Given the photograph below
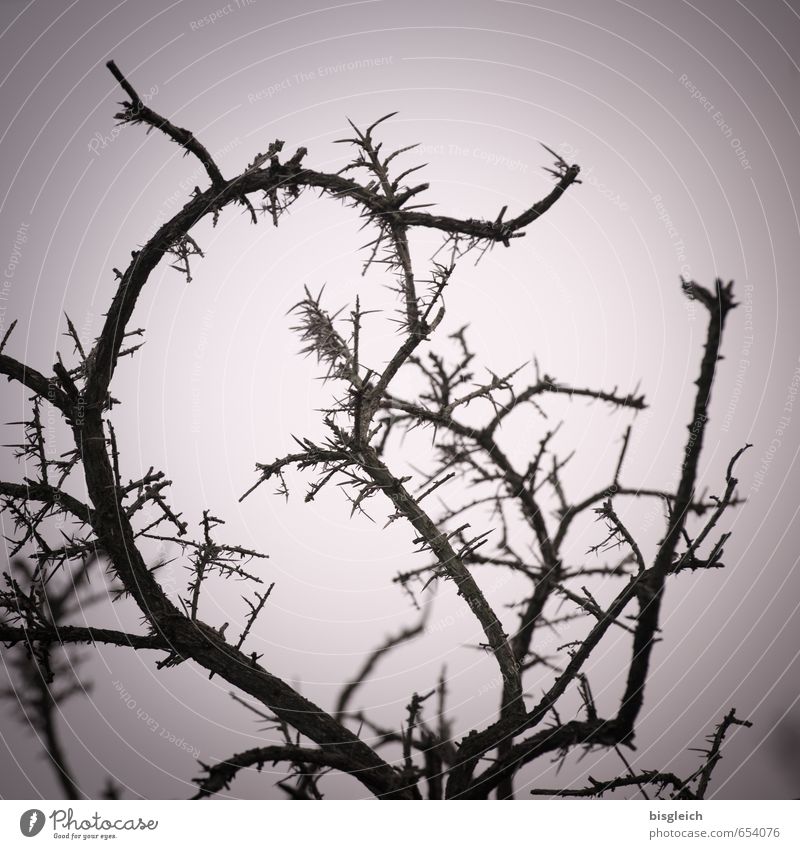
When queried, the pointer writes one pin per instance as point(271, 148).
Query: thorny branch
point(358, 453)
point(695, 786)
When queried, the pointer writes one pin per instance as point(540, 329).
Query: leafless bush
point(365, 415)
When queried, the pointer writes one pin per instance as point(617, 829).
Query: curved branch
point(288, 176)
point(113, 527)
point(136, 112)
point(220, 776)
point(200, 642)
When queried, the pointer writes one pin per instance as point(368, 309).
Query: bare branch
point(62, 634)
point(135, 112)
point(220, 776)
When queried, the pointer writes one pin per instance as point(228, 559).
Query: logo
point(31, 822)
point(66, 825)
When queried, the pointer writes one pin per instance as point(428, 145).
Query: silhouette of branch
point(681, 788)
point(650, 592)
point(356, 453)
point(135, 112)
point(62, 634)
point(219, 776)
point(597, 789)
